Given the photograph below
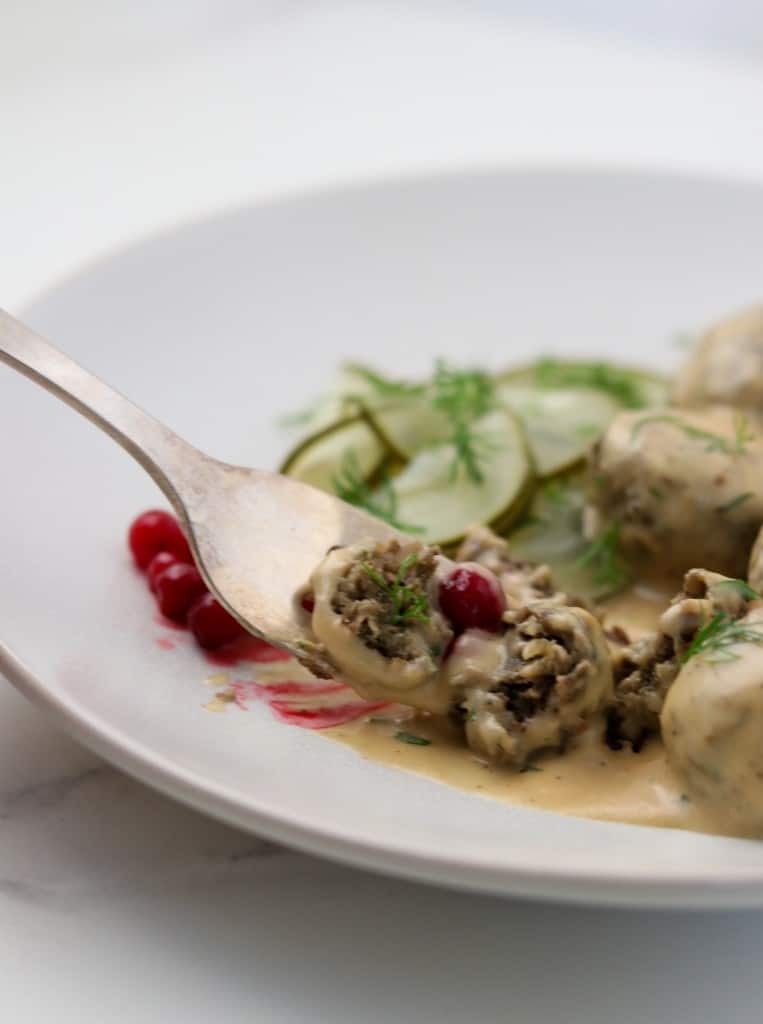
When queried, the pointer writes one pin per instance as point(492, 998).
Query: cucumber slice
point(410, 426)
point(318, 460)
point(354, 387)
point(443, 505)
point(400, 410)
point(631, 388)
point(551, 533)
point(373, 388)
point(328, 410)
point(560, 424)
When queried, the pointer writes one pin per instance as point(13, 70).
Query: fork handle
point(161, 452)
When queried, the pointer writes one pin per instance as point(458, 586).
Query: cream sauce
point(419, 681)
point(588, 780)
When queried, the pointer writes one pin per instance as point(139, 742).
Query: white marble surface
point(117, 904)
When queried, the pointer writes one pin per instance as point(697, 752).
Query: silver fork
point(256, 536)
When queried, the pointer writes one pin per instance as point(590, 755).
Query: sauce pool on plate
point(588, 780)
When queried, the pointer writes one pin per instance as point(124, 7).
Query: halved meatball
point(535, 687)
point(683, 489)
point(377, 618)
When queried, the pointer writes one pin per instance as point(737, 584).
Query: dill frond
point(407, 603)
point(713, 442)
point(463, 396)
point(386, 387)
point(716, 639)
point(743, 434)
point(604, 559)
point(298, 418)
point(350, 485)
point(621, 384)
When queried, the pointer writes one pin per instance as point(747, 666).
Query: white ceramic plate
point(220, 326)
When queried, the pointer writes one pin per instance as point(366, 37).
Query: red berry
point(211, 624)
point(156, 531)
point(177, 588)
point(157, 565)
point(471, 598)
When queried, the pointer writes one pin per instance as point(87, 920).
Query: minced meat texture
point(643, 673)
point(486, 548)
point(548, 656)
point(645, 670)
point(554, 674)
point(365, 600)
point(523, 582)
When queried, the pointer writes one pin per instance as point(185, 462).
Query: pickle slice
point(410, 426)
point(560, 424)
point(318, 460)
point(435, 492)
point(629, 387)
point(551, 533)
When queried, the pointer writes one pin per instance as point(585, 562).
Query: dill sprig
point(349, 483)
point(716, 639)
point(299, 418)
point(413, 738)
point(736, 445)
point(351, 486)
point(743, 433)
point(386, 387)
point(558, 495)
point(551, 498)
point(407, 603)
point(740, 499)
point(619, 383)
point(463, 396)
point(604, 559)
point(472, 449)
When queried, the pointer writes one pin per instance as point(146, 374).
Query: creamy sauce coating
point(589, 780)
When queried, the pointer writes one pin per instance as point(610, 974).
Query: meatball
point(645, 670)
point(726, 368)
point(535, 687)
point(682, 488)
point(523, 582)
point(377, 620)
point(712, 725)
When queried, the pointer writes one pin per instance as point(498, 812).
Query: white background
point(119, 120)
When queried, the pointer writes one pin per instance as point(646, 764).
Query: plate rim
point(306, 193)
point(577, 885)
